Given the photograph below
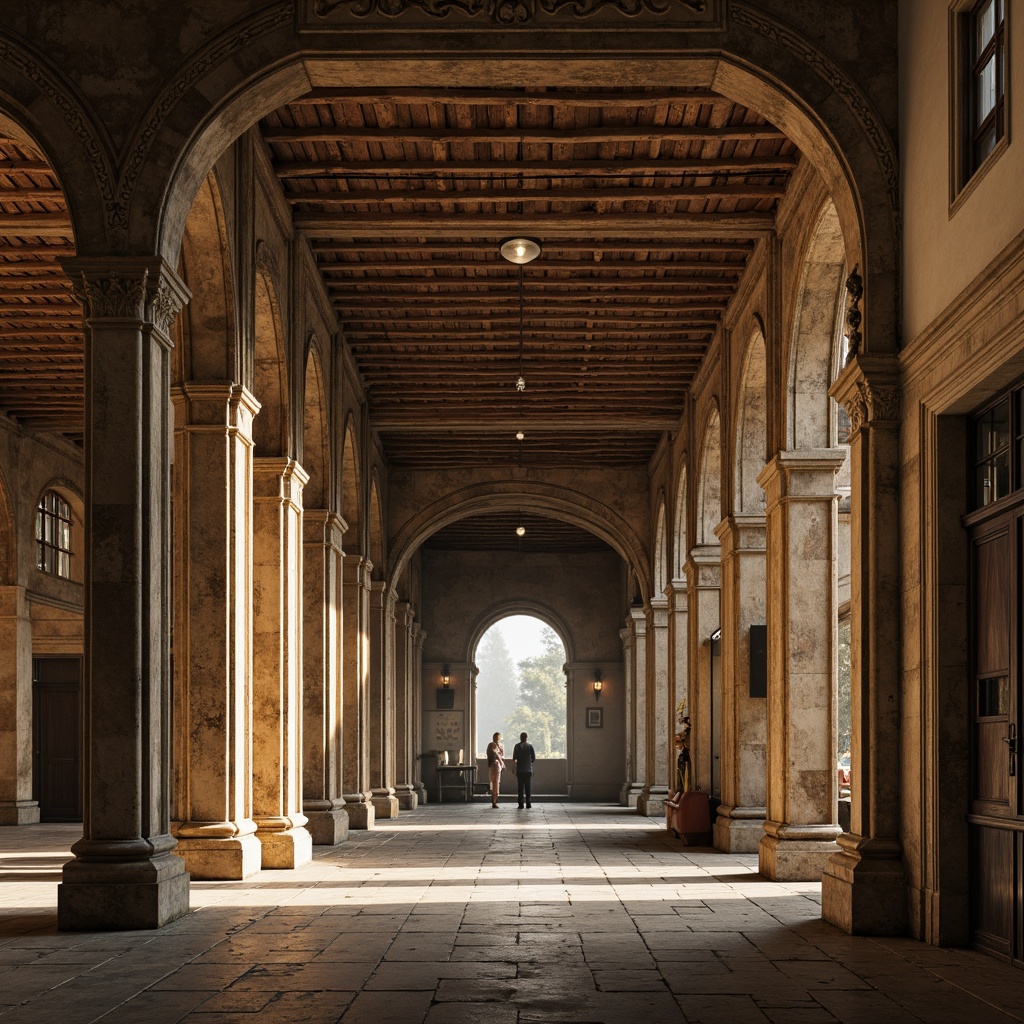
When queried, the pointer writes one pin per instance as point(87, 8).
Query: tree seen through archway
point(525, 694)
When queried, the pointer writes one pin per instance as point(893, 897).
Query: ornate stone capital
point(146, 291)
point(868, 389)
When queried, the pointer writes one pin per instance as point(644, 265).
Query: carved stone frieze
point(520, 12)
point(869, 405)
point(112, 296)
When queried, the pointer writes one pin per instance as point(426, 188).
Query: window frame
point(965, 172)
point(52, 556)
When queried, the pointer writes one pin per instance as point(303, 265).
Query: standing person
point(524, 755)
point(495, 763)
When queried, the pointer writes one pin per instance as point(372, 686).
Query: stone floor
point(460, 913)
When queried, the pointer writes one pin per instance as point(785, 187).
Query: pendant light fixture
point(520, 251)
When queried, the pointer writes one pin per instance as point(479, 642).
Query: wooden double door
point(996, 818)
point(57, 738)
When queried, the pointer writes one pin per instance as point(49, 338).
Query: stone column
point(637, 721)
point(659, 721)
point(629, 713)
point(405, 790)
point(863, 890)
point(704, 582)
point(382, 700)
point(678, 665)
point(125, 873)
point(213, 630)
point(322, 556)
point(741, 815)
point(802, 589)
point(277, 662)
point(419, 637)
point(355, 770)
point(16, 804)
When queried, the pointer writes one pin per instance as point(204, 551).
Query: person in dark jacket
point(524, 755)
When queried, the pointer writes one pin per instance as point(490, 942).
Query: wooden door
point(56, 733)
point(996, 825)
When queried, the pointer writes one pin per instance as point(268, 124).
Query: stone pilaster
point(16, 804)
point(801, 825)
point(636, 719)
point(322, 556)
point(419, 637)
point(864, 888)
point(678, 663)
point(213, 630)
point(703, 582)
point(355, 771)
point(629, 708)
point(382, 700)
point(277, 662)
point(405, 759)
point(659, 720)
point(740, 824)
point(125, 873)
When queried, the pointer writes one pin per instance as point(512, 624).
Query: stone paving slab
point(583, 914)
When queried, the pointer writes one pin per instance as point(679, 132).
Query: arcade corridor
point(574, 913)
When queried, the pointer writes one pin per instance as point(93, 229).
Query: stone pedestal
point(16, 804)
point(744, 718)
point(355, 766)
point(801, 826)
point(322, 587)
point(124, 873)
point(212, 668)
point(864, 887)
point(277, 662)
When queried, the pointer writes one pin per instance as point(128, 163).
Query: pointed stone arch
point(270, 368)
point(315, 432)
point(680, 541)
point(205, 332)
point(709, 480)
point(661, 579)
point(351, 490)
point(751, 444)
point(376, 525)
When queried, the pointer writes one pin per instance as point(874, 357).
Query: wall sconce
point(446, 679)
point(598, 684)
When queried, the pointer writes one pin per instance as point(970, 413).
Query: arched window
point(53, 535)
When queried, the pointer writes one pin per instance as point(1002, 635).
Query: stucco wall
point(583, 594)
point(943, 253)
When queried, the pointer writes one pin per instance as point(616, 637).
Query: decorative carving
point(214, 54)
point(503, 12)
point(881, 141)
point(164, 307)
point(112, 297)
point(855, 289)
point(872, 405)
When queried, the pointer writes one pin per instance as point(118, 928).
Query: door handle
point(1011, 743)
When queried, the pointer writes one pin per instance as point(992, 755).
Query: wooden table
point(467, 773)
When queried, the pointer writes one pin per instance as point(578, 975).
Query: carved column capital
point(868, 388)
point(127, 288)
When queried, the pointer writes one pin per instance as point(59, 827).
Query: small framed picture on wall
point(594, 718)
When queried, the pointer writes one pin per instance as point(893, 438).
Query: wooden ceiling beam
point(532, 169)
point(25, 166)
point(609, 269)
point(490, 248)
point(393, 197)
point(56, 332)
point(538, 225)
point(391, 335)
point(610, 300)
point(30, 194)
point(592, 422)
point(504, 136)
point(524, 98)
point(21, 225)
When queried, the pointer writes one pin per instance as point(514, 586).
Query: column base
point(651, 801)
point(633, 795)
point(19, 812)
point(122, 893)
point(211, 859)
point(385, 803)
point(361, 813)
point(738, 829)
point(327, 826)
point(796, 853)
point(421, 793)
point(624, 795)
point(407, 798)
point(284, 848)
point(863, 890)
